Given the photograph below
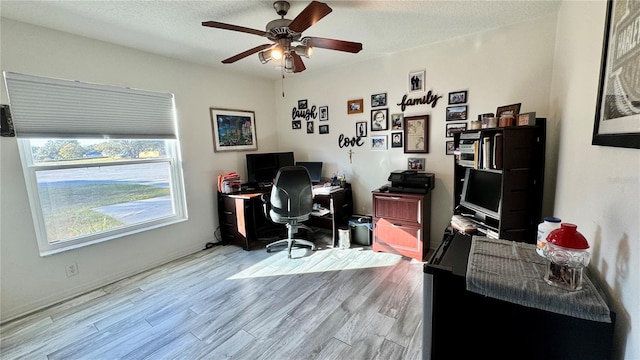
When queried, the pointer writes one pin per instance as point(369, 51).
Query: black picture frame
point(309, 127)
point(324, 113)
point(450, 147)
point(396, 139)
point(302, 104)
point(378, 100)
point(613, 127)
point(361, 129)
point(380, 119)
point(457, 113)
point(457, 97)
point(453, 128)
point(323, 129)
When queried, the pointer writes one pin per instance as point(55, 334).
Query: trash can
point(361, 229)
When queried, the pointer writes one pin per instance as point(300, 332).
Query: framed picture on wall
point(379, 120)
point(396, 140)
point(454, 128)
point(324, 113)
point(458, 97)
point(233, 130)
point(397, 121)
point(379, 142)
point(617, 120)
point(451, 148)
point(355, 106)
point(379, 100)
point(457, 113)
point(361, 128)
point(416, 134)
point(416, 81)
point(416, 164)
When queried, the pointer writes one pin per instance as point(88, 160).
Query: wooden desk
point(243, 223)
point(340, 205)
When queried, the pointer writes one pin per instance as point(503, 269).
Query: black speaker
point(6, 124)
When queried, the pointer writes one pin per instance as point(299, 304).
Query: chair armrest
point(266, 205)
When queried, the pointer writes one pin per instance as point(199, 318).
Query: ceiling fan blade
point(219, 25)
point(298, 64)
point(332, 44)
point(309, 16)
point(244, 54)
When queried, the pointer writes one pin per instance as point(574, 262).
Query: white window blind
point(55, 108)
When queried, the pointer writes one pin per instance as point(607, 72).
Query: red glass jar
point(566, 250)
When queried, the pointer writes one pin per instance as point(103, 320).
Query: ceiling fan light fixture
point(276, 53)
point(288, 64)
point(304, 50)
point(264, 56)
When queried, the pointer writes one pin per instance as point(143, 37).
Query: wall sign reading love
point(345, 141)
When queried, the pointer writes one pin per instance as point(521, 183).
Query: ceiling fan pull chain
point(283, 83)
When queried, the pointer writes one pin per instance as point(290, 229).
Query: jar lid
point(552, 219)
point(568, 236)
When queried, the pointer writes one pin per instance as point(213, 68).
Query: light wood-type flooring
point(225, 302)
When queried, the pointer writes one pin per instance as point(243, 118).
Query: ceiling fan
point(284, 33)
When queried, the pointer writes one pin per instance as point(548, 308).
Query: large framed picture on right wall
point(617, 121)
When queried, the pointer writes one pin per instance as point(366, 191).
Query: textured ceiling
point(173, 27)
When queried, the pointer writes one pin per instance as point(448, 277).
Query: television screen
point(482, 192)
point(314, 168)
point(262, 168)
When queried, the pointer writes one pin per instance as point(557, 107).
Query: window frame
point(30, 169)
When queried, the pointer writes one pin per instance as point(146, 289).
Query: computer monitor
point(314, 168)
point(262, 168)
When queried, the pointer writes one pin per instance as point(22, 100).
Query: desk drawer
point(398, 207)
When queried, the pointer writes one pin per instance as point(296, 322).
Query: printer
point(411, 181)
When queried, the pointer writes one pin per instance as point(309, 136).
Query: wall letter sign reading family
point(429, 98)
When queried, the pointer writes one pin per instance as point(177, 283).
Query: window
point(89, 181)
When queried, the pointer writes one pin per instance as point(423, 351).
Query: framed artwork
point(379, 100)
point(415, 164)
point(324, 113)
point(361, 128)
point(355, 106)
point(396, 140)
point(379, 120)
point(309, 127)
point(302, 104)
point(454, 128)
point(450, 147)
point(296, 124)
point(379, 142)
point(458, 97)
point(457, 113)
point(323, 129)
point(233, 130)
point(526, 119)
point(617, 120)
point(416, 135)
point(416, 81)
point(397, 121)
point(513, 109)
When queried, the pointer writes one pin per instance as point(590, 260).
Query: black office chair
point(290, 203)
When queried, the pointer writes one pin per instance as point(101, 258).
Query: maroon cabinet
point(401, 223)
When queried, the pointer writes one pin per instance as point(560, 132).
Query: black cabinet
point(458, 322)
point(517, 155)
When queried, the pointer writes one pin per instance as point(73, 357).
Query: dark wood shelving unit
point(522, 174)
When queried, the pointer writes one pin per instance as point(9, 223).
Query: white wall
point(30, 281)
point(500, 67)
point(598, 187)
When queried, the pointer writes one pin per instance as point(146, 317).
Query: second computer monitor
point(314, 168)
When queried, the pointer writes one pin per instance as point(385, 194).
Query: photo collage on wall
point(310, 114)
point(456, 117)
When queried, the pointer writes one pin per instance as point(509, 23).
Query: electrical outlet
point(72, 269)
